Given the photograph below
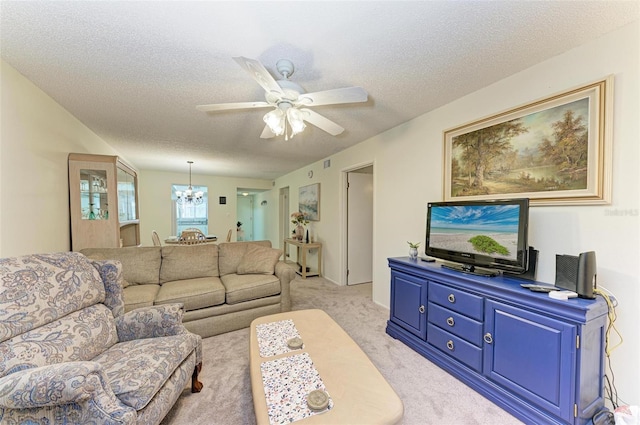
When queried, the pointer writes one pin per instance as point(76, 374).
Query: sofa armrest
point(286, 274)
point(151, 322)
point(155, 321)
point(77, 388)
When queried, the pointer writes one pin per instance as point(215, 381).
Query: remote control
point(538, 288)
point(428, 259)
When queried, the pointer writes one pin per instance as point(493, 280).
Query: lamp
point(189, 196)
point(284, 113)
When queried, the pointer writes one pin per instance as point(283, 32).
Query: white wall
point(262, 217)
point(155, 201)
point(36, 137)
point(37, 134)
point(408, 174)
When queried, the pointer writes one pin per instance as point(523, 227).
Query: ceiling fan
point(289, 101)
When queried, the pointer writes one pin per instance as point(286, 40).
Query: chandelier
point(189, 196)
point(285, 113)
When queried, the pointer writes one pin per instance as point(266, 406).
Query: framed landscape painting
point(553, 151)
point(309, 201)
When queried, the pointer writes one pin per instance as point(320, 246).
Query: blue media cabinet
point(539, 358)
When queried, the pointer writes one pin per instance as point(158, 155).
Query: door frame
point(344, 196)
point(284, 207)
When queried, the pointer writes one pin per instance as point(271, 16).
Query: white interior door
point(245, 216)
point(359, 228)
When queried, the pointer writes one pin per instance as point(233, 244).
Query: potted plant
point(300, 221)
point(413, 249)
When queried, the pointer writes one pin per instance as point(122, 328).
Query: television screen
point(490, 234)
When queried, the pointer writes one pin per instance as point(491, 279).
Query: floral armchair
point(69, 353)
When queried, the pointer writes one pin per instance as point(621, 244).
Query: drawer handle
point(450, 345)
point(451, 298)
point(450, 321)
point(421, 309)
point(488, 338)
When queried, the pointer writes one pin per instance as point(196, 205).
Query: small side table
point(303, 249)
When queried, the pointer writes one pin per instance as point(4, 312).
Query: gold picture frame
point(554, 151)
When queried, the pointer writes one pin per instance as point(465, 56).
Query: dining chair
point(192, 237)
point(155, 238)
point(194, 230)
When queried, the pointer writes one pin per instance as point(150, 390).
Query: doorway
point(359, 224)
point(245, 205)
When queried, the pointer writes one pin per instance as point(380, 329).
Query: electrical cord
point(611, 392)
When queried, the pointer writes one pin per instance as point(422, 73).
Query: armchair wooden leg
point(196, 386)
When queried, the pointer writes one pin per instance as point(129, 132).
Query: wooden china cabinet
point(103, 201)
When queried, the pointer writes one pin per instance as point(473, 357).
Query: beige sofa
point(222, 287)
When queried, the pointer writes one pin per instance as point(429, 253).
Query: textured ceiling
point(133, 72)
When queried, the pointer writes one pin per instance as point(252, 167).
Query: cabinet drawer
point(462, 326)
point(462, 302)
point(455, 347)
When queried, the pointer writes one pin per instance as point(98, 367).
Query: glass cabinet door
point(93, 195)
point(126, 196)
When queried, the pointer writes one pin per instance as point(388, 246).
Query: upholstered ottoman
point(329, 360)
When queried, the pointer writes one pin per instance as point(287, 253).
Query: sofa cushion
point(140, 265)
point(259, 260)
point(39, 289)
point(192, 293)
point(137, 296)
point(189, 262)
point(78, 336)
point(250, 287)
point(231, 253)
point(111, 274)
point(137, 369)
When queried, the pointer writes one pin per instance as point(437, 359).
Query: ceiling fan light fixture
point(294, 116)
point(275, 119)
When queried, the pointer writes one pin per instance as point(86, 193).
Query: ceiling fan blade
point(267, 133)
point(321, 122)
point(225, 106)
point(335, 96)
point(259, 73)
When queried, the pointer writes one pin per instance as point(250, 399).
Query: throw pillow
point(101, 257)
point(259, 260)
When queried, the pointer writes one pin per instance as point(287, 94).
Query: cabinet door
point(127, 210)
point(533, 356)
point(92, 201)
point(408, 303)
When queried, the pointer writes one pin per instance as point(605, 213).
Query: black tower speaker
point(577, 274)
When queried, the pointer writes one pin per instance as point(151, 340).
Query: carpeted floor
point(430, 395)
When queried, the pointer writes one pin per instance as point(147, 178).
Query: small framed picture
point(309, 201)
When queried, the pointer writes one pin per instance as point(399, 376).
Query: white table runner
point(273, 337)
point(287, 382)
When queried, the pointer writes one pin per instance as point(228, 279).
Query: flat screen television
point(480, 237)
